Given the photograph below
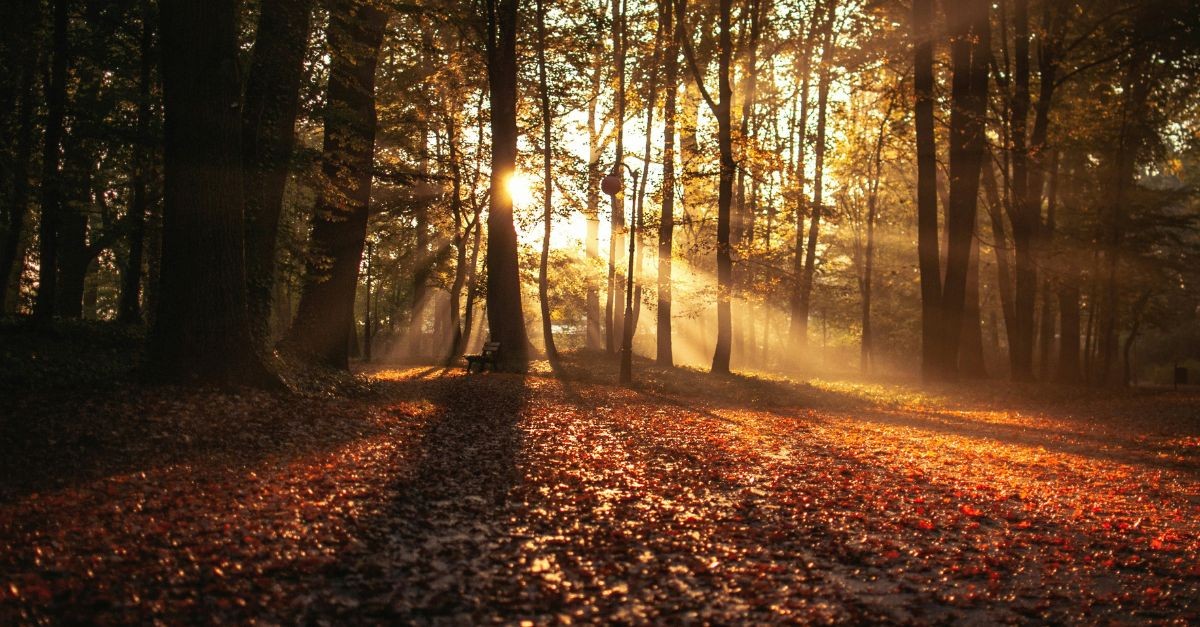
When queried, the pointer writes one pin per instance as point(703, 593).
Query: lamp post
point(612, 185)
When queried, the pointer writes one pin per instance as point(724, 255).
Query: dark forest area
point(633, 311)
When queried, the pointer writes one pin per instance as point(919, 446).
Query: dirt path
point(503, 499)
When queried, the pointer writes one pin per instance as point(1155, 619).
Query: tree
point(722, 111)
point(666, 225)
point(51, 196)
point(326, 311)
point(798, 324)
point(268, 131)
point(547, 188)
point(969, 52)
point(927, 213)
point(24, 47)
point(613, 314)
point(506, 318)
point(129, 308)
point(201, 329)
point(814, 224)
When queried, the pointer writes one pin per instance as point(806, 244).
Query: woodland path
point(440, 498)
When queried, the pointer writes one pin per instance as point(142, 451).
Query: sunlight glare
point(519, 190)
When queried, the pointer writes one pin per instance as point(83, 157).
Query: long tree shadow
point(839, 550)
point(1091, 424)
point(451, 505)
point(64, 439)
point(1103, 447)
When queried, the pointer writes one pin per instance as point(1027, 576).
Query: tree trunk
point(1000, 248)
point(927, 200)
point(129, 310)
point(506, 319)
point(797, 329)
point(76, 176)
point(742, 235)
point(201, 329)
point(814, 222)
point(18, 205)
point(1134, 94)
point(613, 314)
point(51, 196)
point(666, 225)
point(720, 362)
point(368, 324)
point(970, 353)
point(272, 100)
point(1046, 331)
point(547, 191)
point(595, 339)
point(1067, 370)
point(639, 213)
point(472, 286)
point(969, 51)
point(869, 253)
point(1139, 307)
point(1025, 209)
point(460, 240)
point(326, 309)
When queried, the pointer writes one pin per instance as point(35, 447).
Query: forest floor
point(429, 496)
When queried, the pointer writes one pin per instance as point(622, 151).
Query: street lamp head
point(611, 184)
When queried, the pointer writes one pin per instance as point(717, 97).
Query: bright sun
point(519, 189)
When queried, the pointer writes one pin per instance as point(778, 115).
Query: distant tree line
point(993, 188)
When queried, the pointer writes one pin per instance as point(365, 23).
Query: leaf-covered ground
point(440, 498)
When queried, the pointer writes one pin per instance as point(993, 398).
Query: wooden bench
point(490, 351)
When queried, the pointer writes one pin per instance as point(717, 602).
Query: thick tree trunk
point(201, 329)
point(547, 190)
point(268, 134)
point(666, 225)
point(1026, 202)
point(506, 318)
point(51, 193)
point(927, 200)
point(326, 311)
point(969, 51)
point(18, 201)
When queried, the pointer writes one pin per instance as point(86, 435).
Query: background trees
point(999, 187)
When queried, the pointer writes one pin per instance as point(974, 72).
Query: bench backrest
point(491, 348)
